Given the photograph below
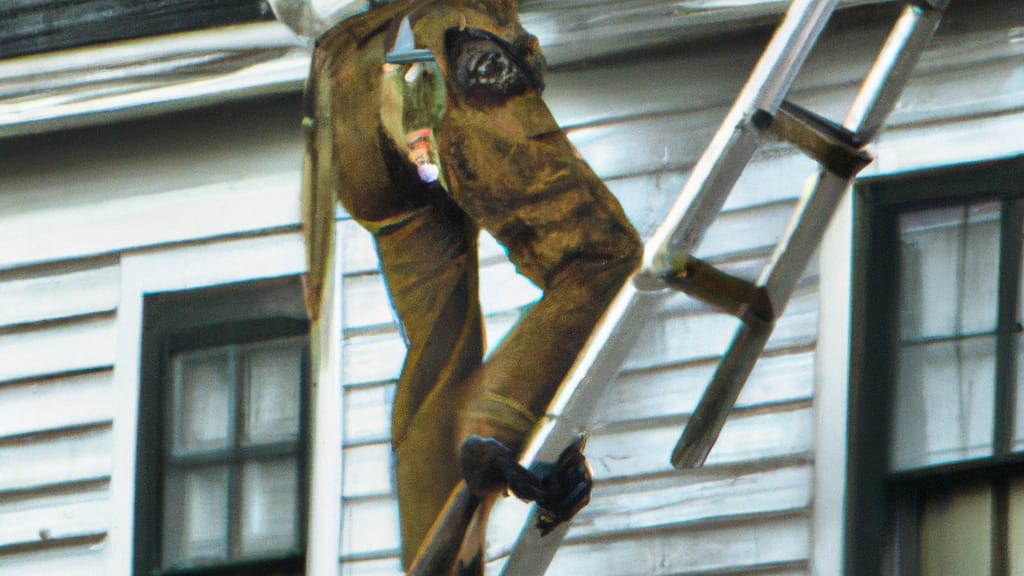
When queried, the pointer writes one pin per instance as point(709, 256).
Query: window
point(221, 480)
point(936, 478)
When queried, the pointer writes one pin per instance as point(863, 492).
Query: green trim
point(950, 183)
point(289, 563)
point(873, 344)
point(882, 507)
point(232, 317)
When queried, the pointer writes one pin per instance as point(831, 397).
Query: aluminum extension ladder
point(759, 113)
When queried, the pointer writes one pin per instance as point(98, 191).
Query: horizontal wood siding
point(57, 349)
point(210, 183)
point(60, 288)
point(642, 123)
point(758, 491)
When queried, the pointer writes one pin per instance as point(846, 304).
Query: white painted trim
point(229, 208)
point(146, 76)
point(899, 150)
point(831, 367)
point(323, 534)
point(59, 296)
point(163, 271)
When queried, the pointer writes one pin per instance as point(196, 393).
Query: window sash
point(998, 361)
point(883, 504)
point(233, 457)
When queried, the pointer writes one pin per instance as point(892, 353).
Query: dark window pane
point(269, 516)
point(196, 516)
point(203, 401)
point(956, 531)
point(1015, 536)
point(943, 405)
point(949, 271)
point(271, 392)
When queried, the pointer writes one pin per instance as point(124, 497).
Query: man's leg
point(429, 263)
point(514, 171)
point(428, 253)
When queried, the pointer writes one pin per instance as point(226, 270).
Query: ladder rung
point(836, 148)
point(730, 294)
point(720, 396)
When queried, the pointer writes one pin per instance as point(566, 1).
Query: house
point(163, 409)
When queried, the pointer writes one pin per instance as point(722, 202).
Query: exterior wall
point(92, 219)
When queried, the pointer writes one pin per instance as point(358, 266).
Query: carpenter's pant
point(507, 168)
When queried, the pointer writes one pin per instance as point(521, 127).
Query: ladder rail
point(708, 418)
point(735, 142)
point(571, 410)
point(895, 62)
point(666, 253)
point(699, 201)
point(874, 101)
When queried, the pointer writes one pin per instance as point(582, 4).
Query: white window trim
point(909, 149)
point(207, 265)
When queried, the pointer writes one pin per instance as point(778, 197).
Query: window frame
point(873, 493)
point(228, 314)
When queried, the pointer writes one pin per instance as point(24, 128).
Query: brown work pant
point(510, 170)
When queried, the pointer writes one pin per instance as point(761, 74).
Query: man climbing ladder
point(424, 154)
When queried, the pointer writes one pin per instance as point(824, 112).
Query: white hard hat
point(311, 18)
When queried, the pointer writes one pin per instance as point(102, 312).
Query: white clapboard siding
point(54, 348)
point(644, 149)
point(57, 402)
point(784, 376)
point(50, 459)
point(502, 290)
point(652, 503)
point(259, 203)
point(373, 567)
point(765, 545)
point(743, 546)
point(49, 519)
point(373, 357)
point(368, 413)
point(63, 295)
point(378, 356)
point(646, 144)
point(686, 500)
point(652, 84)
point(705, 333)
point(369, 527)
point(768, 180)
point(778, 434)
point(83, 559)
point(367, 470)
point(57, 349)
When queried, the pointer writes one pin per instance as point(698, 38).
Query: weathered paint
point(75, 262)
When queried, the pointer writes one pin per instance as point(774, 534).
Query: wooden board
point(49, 404)
point(52, 518)
point(224, 209)
point(85, 344)
point(73, 456)
point(53, 296)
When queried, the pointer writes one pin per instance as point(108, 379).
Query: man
point(424, 154)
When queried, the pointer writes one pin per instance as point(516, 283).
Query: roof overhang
point(133, 78)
